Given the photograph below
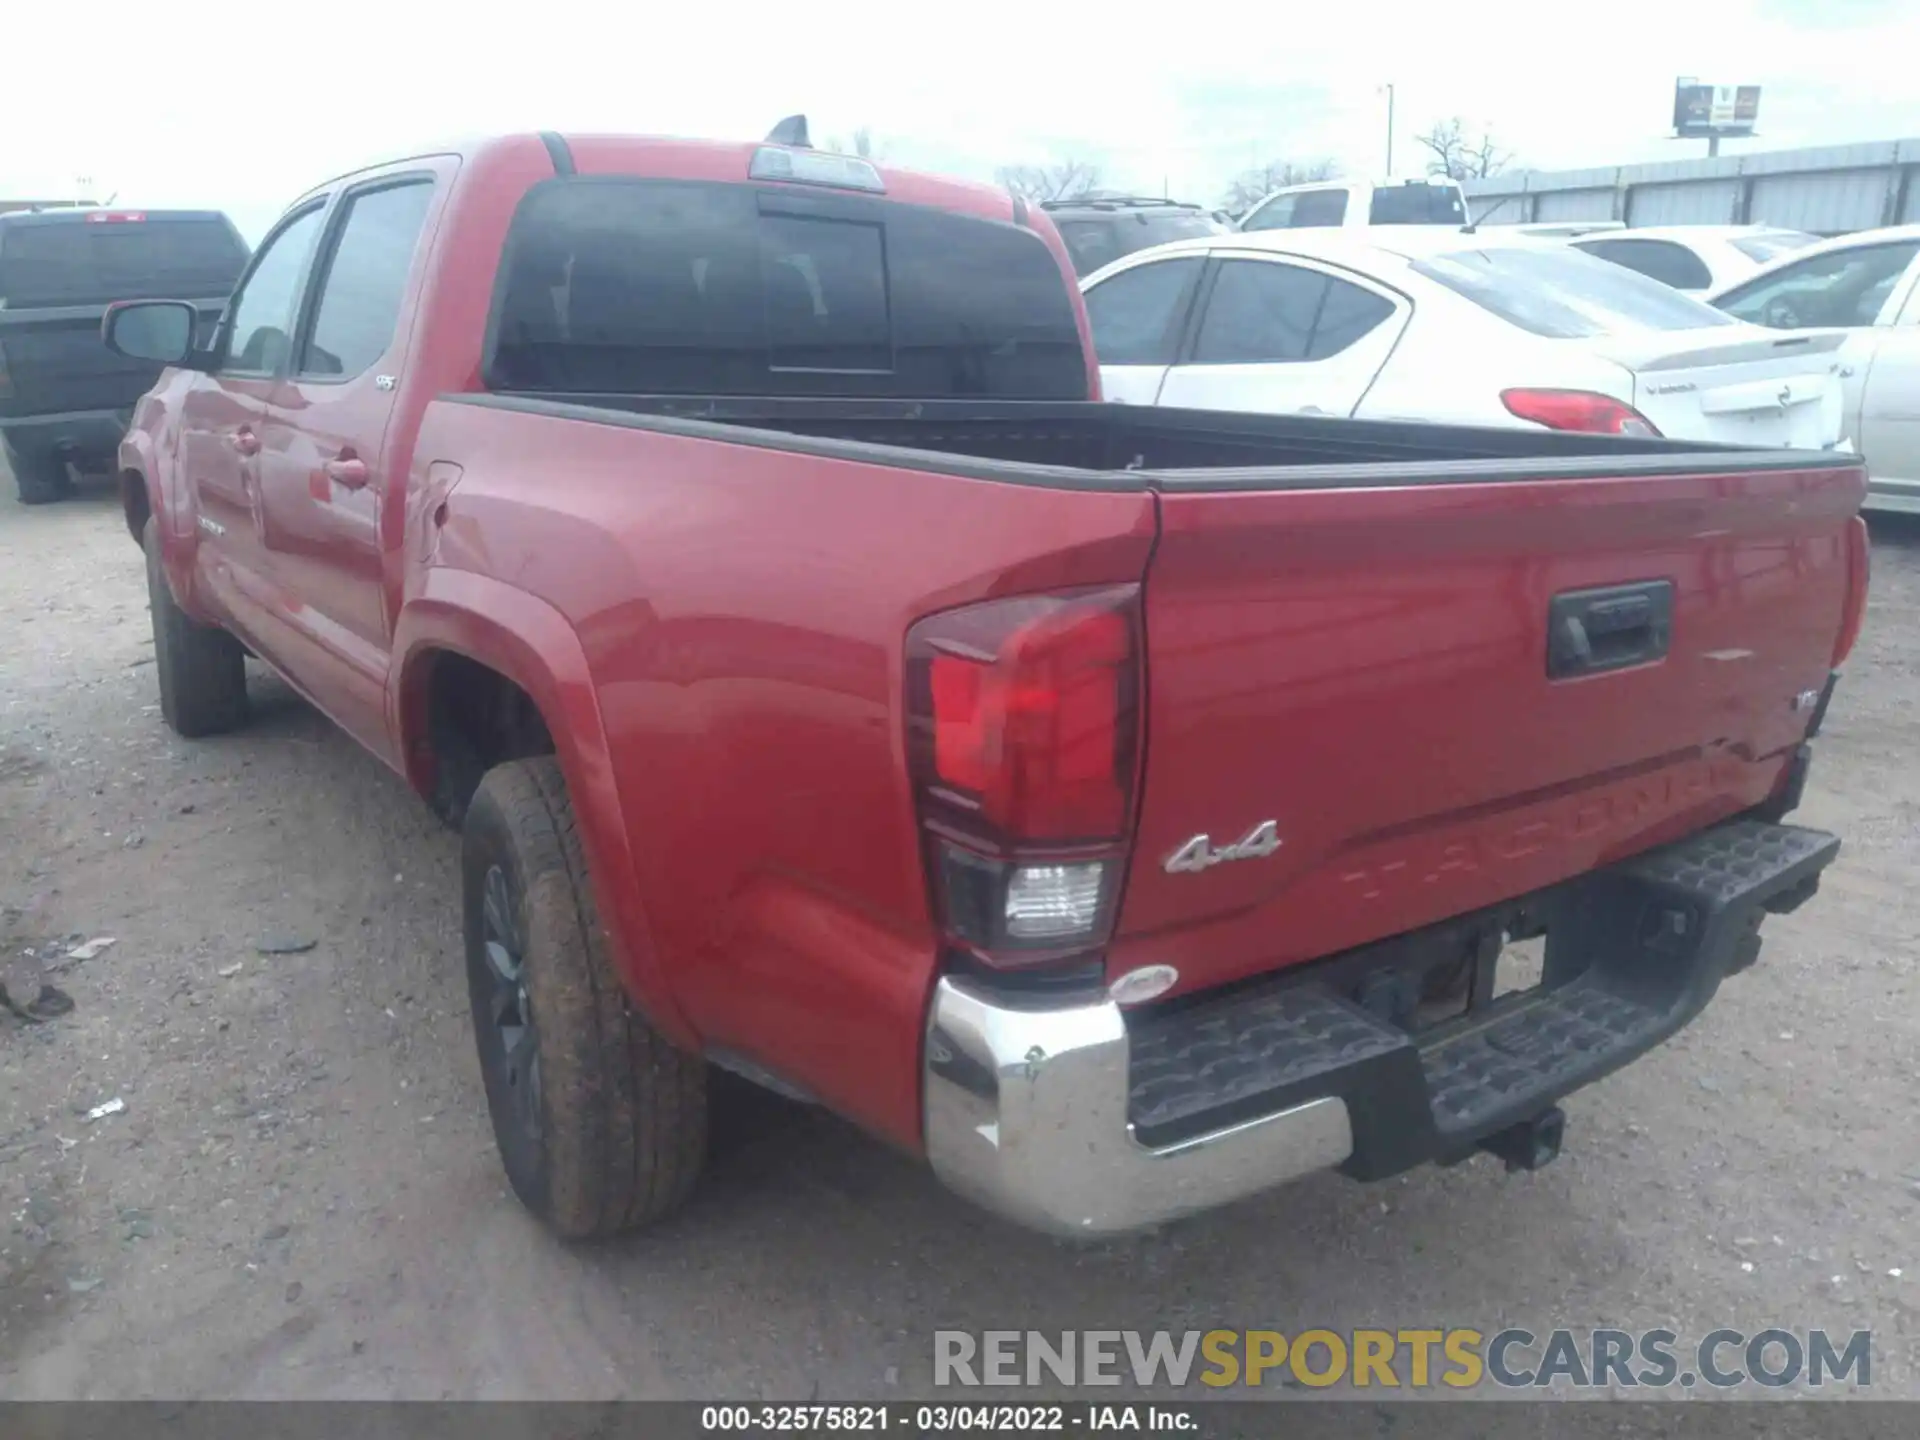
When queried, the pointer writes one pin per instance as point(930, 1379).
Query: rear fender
point(532, 644)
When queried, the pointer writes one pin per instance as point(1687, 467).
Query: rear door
point(1138, 316)
point(1367, 669)
point(1281, 336)
point(224, 415)
point(327, 478)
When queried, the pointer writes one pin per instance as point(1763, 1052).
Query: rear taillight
point(1023, 739)
point(1585, 410)
point(1854, 613)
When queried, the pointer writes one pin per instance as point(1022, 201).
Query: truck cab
point(1359, 204)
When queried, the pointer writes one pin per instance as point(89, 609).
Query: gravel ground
point(301, 1196)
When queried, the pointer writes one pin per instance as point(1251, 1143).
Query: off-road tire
point(202, 669)
point(39, 479)
point(619, 1129)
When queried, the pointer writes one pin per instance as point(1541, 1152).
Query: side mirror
point(156, 330)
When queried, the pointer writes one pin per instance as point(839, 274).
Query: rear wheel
point(601, 1122)
point(202, 669)
point(40, 477)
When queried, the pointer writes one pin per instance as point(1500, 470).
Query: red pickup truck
point(1126, 809)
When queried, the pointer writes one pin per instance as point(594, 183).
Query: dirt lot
point(301, 1196)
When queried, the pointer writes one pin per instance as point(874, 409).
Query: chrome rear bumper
point(1073, 1118)
point(1026, 1113)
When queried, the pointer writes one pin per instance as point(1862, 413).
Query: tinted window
point(654, 286)
point(82, 260)
point(1840, 288)
point(1136, 314)
point(1660, 260)
point(1262, 312)
point(1347, 313)
point(1560, 292)
point(262, 312)
point(366, 280)
point(826, 293)
point(1276, 214)
point(1319, 207)
point(1417, 204)
point(1091, 243)
point(1773, 244)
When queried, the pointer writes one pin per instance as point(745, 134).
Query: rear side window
point(91, 259)
point(644, 286)
point(365, 280)
point(1136, 315)
point(1421, 203)
point(1091, 243)
point(1319, 207)
point(1558, 292)
point(1266, 312)
point(1660, 260)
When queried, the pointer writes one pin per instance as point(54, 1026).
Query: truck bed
point(1085, 444)
point(1351, 628)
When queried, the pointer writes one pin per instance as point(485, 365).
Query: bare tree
point(1067, 179)
point(1250, 187)
point(1455, 151)
point(861, 143)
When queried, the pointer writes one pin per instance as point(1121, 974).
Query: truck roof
point(99, 214)
point(672, 158)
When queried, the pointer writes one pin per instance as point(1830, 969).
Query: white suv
point(1358, 204)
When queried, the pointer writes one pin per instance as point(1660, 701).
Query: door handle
point(349, 471)
point(245, 441)
point(1592, 631)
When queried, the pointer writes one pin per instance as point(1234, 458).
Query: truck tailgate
point(1369, 669)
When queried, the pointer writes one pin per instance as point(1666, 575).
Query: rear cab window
point(1661, 260)
point(1562, 294)
point(617, 285)
point(96, 256)
point(1417, 203)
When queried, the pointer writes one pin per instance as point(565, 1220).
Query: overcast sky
point(240, 106)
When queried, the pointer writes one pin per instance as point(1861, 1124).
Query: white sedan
point(1695, 258)
point(1423, 323)
point(1867, 285)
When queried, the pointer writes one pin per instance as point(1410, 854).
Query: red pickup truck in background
point(1126, 809)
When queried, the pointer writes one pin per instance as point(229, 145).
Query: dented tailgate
point(1446, 695)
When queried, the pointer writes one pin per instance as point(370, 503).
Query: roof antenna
point(791, 131)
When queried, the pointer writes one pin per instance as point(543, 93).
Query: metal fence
point(1828, 190)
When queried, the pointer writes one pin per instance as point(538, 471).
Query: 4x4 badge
point(1198, 853)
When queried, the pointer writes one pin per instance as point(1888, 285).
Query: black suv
point(65, 397)
point(1101, 228)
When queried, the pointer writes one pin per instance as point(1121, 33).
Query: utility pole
point(1389, 174)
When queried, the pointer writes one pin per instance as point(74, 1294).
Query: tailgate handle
point(1592, 631)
